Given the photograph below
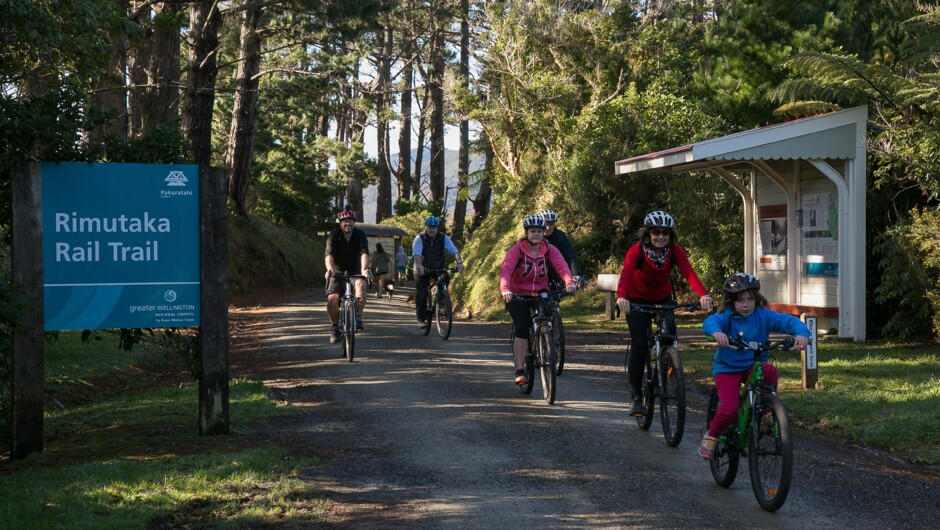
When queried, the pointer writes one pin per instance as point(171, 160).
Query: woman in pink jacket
point(525, 271)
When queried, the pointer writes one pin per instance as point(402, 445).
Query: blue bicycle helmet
point(432, 221)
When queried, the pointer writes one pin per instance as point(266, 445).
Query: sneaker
point(707, 449)
point(358, 323)
point(638, 409)
point(423, 324)
point(334, 334)
point(520, 377)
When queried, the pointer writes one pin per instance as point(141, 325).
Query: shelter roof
point(824, 137)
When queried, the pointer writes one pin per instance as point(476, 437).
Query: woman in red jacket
point(525, 271)
point(645, 278)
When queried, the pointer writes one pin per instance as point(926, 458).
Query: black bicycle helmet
point(659, 219)
point(738, 282)
point(533, 221)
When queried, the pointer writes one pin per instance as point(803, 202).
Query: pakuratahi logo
point(176, 178)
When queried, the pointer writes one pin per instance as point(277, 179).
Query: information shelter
point(803, 186)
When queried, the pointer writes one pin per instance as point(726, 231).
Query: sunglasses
point(656, 232)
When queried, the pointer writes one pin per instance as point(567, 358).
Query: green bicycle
point(762, 432)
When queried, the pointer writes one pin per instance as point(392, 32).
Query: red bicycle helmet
point(346, 213)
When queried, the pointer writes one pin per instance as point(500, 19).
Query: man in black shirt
point(347, 250)
point(560, 240)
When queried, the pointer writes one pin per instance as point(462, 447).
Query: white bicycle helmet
point(549, 215)
point(533, 221)
point(659, 219)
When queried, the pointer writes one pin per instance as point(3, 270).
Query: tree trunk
point(463, 162)
point(240, 150)
point(110, 92)
point(419, 155)
point(481, 203)
point(404, 134)
point(383, 207)
point(436, 89)
point(201, 71)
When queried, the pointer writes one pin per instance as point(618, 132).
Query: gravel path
point(424, 433)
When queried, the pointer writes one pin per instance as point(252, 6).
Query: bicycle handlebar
point(654, 308)
point(785, 344)
point(560, 293)
point(343, 275)
point(435, 271)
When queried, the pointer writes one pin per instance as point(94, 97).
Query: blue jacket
point(756, 327)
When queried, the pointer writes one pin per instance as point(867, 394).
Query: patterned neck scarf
point(657, 257)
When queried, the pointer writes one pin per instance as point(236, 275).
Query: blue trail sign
point(120, 245)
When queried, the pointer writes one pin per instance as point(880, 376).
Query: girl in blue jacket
point(743, 310)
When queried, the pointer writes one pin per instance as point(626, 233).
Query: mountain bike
point(762, 431)
point(347, 313)
point(440, 308)
point(663, 377)
point(541, 352)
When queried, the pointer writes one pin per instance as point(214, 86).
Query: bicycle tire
point(558, 332)
point(724, 465)
point(349, 332)
point(649, 402)
point(428, 314)
point(444, 314)
point(546, 359)
point(672, 396)
point(529, 367)
point(770, 454)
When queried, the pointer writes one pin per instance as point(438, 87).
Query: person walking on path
point(381, 266)
point(401, 262)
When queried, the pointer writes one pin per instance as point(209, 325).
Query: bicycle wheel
point(672, 396)
point(546, 359)
point(724, 465)
point(649, 402)
point(558, 333)
point(770, 457)
point(445, 317)
point(349, 332)
point(529, 367)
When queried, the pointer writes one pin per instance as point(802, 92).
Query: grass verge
point(134, 459)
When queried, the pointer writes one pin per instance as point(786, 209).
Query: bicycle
point(663, 377)
point(762, 431)
point(541, 352)
point(439, 308)
point(347, 313)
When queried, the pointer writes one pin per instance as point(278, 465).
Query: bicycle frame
point(749, 405)
point(540, 308)
point(663, 377)
point(348, 312)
